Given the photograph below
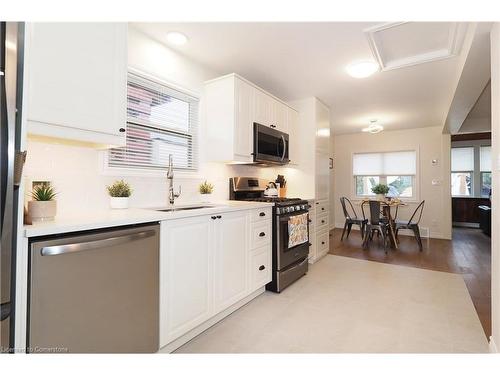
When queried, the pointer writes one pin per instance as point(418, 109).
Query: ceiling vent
point(400, 44)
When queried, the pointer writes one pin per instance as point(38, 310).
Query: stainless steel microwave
point(270, 146)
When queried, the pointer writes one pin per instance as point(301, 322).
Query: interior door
point(230, 259)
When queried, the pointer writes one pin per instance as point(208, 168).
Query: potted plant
point(119, 193)
point(206, 189)
point(43, 207)
point(381, 190)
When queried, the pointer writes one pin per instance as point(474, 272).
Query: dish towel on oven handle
point(298, 230)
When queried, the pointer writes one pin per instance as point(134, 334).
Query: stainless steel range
point(290, 230)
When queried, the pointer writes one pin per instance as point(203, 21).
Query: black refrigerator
point(11, 160)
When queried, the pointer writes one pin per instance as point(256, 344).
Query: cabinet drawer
point(322, 243)
point(260, 264)
point(321, 207)
point(260, 234)
point(322, 222)
point(261, 214)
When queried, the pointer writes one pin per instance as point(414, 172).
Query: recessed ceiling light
point(373, 128)
point(177, 38)
point(362, 69)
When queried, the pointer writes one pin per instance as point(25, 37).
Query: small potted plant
point(381, 190)
point(119, 193)
point(43, 207)
point(206, 189)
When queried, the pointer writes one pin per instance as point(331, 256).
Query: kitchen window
point(161, 120)
point(396, 169)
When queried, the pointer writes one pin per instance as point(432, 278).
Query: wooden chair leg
point(349, 227)
point(345, 226)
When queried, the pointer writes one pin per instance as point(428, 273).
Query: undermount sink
point(170, 209)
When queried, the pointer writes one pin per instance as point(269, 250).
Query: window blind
point(485, 158)
point(462, 159)
point(385, 163)
point(160, 121)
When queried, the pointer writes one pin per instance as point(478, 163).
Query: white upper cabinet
point(264, 107)
point(293, 132)
point(77, 79)
point(232, 106)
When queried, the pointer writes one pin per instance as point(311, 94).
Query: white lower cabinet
point(185, 275)
point(207, 265)
point(230, 259)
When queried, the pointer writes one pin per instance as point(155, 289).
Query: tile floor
point(354, 306)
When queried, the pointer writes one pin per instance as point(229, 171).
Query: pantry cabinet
point(207, 264)
point(232, 105)
point(77, 81)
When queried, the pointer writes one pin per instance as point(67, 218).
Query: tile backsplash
point(75, 172)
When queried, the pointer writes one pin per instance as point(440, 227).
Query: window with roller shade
point(485, 170)
point(396, 169)
point(462, 171)
point(161, 120)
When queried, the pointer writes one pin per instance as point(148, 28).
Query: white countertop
point(112, 218)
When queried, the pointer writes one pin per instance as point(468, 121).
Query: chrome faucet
point(170, 177)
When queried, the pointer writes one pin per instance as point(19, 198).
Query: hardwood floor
point(469, 254)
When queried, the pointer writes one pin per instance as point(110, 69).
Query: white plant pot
point(118, 202)
point(381, 197)
point(42, 210)
point(205, 198)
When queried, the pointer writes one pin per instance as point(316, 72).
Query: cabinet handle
point(322, 208)
point(214, 217)
point(322, 242)
point(309, 221)
point(262, 214)
point(122, 130)
point(262, 268)
point(219, 217)
point(317, 202)
point(322, 222)
point(262, 234)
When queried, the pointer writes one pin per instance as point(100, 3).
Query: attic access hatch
point(400, 44)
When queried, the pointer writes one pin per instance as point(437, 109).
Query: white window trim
point(416, 178)
point(103, 158)
point(476, 173)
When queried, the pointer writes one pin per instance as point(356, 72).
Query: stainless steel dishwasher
point(96, 292)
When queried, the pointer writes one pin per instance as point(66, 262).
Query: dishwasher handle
point(91, 245)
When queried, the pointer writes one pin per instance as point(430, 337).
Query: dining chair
point(376, 223)
point(413, 224)
point(351, 217)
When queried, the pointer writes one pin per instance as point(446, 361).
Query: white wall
point(75, 170)
point(430, 144)
point(495, 196)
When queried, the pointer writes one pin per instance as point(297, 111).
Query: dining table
point(386, 205)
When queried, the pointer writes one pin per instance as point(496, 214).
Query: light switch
point(434, 161)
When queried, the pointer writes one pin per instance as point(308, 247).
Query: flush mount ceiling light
point(373, 128)
point(176, 38)
point(362, 69)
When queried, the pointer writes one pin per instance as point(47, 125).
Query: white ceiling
point(298, 60)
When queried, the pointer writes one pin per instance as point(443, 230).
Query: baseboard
point(424, 232)
point(177, 343)
point(493, 347)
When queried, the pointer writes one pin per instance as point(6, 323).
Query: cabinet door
point(322, 175)
point(185, 275)
point(77, 79)
point(293, 135)
point(280, 116)
point(243, 131)
point(263, 108)
point(230, 259)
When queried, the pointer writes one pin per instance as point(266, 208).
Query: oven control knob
point(290, 209)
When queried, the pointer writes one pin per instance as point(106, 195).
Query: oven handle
point(287, 216)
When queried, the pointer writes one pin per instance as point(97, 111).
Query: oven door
point(286, 256)
point(270, 145)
